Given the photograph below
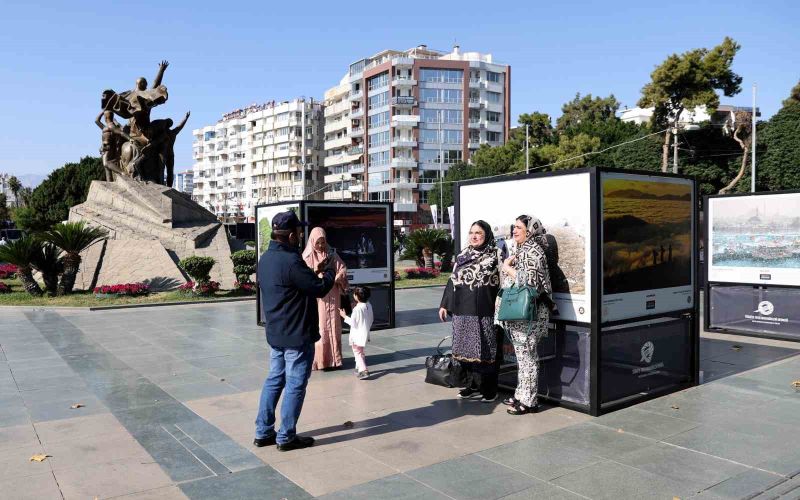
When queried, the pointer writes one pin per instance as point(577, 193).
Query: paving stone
point(398, 487)
point(609, 480)
point(264, 483)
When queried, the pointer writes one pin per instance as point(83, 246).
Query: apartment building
point(398, 119)
point(263, 153)
point(184, 182)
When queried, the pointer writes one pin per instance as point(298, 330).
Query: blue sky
point(57, 58)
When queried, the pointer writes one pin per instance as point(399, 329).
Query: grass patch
point(410, 283)
point(19, 297)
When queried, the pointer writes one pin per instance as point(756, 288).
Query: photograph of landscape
point(751, 236)
point(647, 235)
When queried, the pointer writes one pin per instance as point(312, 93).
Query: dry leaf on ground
point(736, 347)
point(39, 457)
point(76, 406)
point(796, 384)
point(348, 425)
point(675, 407)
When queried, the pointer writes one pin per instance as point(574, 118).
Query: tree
point(423, 243)
point(582, 110)
point(22, 253)
point(4, 214)
point(72, 238)
point(567, 153)
point(540, 130)
point(48, 260)
point(643, 154)
point(15, 185)
point(779, 166)
point(742, 126)
point(64, 188)
point(687, 81)
point(794, 95)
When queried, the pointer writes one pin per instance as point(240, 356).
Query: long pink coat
point(328, 350)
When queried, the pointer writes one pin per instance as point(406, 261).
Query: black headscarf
point(478, 266)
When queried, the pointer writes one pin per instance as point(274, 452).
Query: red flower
point(126, 289)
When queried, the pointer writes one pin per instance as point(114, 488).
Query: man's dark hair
point(281, 235)
point(362, 293)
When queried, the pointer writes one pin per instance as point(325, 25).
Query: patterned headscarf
point(476, 267)
point(532, 269)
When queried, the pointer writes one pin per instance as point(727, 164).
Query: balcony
point(357, 150)
point(405, 120)
point(357, 132)
point(404, 183)
point(404, 163)
point(356, 188)
point(404, 101)
point(357, 113)
point(337, 195)
point(474, 123)
point(405, 207)
point(474, 102)
point(474, 144)
point(335, 178)
point(403, 61)
point(403, 82)
point(356, 96)
point(404, 143)
point(474, 83)
point(339, 142)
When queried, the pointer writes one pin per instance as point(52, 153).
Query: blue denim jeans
point(289, 370)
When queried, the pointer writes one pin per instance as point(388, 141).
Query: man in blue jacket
point(289, 292)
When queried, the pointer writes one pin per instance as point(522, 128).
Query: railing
point(404, 101)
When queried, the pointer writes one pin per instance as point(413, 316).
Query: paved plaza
point(168, 397)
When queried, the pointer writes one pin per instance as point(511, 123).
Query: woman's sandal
point(512, 401)
point(520, 409)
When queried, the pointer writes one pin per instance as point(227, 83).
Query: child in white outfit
point(360, 324)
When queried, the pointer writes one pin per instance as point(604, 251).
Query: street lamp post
point(441, 168)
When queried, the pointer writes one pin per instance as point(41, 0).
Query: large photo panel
point(360, 234)
point(562, 203)
point(754, 239)
point(648, 245)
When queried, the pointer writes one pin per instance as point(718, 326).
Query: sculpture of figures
point(112, 143)
point(148, 148)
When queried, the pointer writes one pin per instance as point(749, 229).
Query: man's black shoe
point(298, 443)
point(267, 441)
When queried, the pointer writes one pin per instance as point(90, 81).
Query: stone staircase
point(138, 214)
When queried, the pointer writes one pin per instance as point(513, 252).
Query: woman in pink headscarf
point(328, 352)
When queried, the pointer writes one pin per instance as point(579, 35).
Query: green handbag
point(518, 304)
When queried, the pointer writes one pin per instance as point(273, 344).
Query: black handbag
point(442, 369)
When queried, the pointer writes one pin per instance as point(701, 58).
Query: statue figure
point(148, 148)
point(111, 147)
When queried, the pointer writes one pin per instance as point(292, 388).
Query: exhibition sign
point(648, 246)
point(264, 215)
point(767, 311)
point(754, 239)
point(562, 203)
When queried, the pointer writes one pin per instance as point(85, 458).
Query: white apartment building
point(725, 114)
point(263, 153)
point(398, 119)
point(183, 182)
point(6, 189)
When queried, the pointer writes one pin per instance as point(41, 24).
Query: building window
point(491, 116)
point(423, 196)
point(453, 136)
point(379, 159)
point(378, 178)
point(208, 135)
point(282, 131)
point(493, 136)
point(494, 77)
point(379, 119)
point(455, 116)
point(493, 97)
point(281, 117)
point(379, 100)
point(451, 96)
point(379, 139)
point(379, 81)
point(429, 115)
point(429, 135)
point(441, 75)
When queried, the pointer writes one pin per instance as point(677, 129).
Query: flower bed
point(4, 288)
point(122, 290)
point(207, 288)
point(245, 287)
point(8, 271)
point(422, 273)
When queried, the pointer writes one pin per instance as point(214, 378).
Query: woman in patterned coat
point(469, 297)
point(528, 266)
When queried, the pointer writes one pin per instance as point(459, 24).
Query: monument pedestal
point(150, 228)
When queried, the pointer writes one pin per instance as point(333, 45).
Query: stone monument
point(150, 225)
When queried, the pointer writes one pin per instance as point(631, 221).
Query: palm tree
point(72, 238)
point(422, 243)
point(48, 261)
point(22, 253)
point(15, 185)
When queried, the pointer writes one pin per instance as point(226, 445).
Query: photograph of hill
point(647, 235)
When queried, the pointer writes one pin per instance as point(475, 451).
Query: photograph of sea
point(760, 233)
point(647, 235)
